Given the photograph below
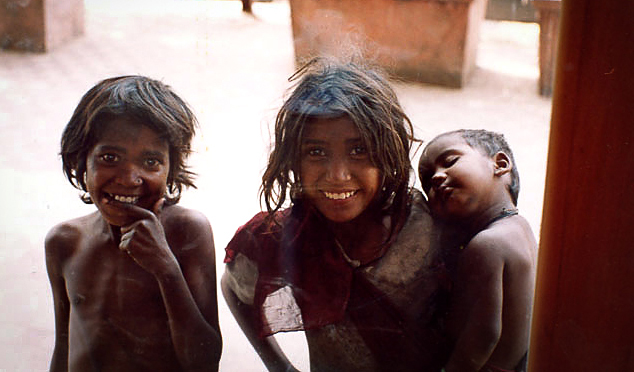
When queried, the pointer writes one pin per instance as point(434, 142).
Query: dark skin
point(491, 302)
point(363, 250)
point(146, 302)
point(341, 182)
point(134, 284)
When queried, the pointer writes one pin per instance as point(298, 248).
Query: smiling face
point(459, 180)
point(336, 171)
point(129, 163)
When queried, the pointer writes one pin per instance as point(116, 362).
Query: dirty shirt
point(385, 315)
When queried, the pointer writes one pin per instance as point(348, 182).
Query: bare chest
point(116, 311)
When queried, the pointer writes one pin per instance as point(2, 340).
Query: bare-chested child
point(134, 283)
point(472, 183)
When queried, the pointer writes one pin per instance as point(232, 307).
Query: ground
point(232, 68)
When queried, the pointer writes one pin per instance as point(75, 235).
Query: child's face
point(337, 174)
point(128, 164)
point(457, 178)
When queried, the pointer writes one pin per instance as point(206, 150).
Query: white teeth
point(339, 196)
point(126, 199)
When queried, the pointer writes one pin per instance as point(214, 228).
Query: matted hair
point(142, 99)
point(328, 88)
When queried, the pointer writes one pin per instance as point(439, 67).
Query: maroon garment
point(309, 263)
point(394, 303)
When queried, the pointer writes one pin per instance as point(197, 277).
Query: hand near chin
point(144, 239)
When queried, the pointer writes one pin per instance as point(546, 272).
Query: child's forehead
point(125, 129)
point(444, 142)
point(331, 127)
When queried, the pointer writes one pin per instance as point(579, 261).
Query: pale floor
point(232, 69)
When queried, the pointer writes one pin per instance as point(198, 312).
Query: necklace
point(505, 213)
point(353, 263)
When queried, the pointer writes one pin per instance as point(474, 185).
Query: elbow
point(490, 336)
point(217, 351)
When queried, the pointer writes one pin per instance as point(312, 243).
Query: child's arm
point(187, 284)
point(267, 348)
point(478, 298)
point(56, 245)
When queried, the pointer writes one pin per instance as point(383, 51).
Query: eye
point(450, 160)
point(152, 162)
point(358, 150)
point(109, 158)
point(315, 152)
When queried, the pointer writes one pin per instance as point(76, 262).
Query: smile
point(124, 198)
point(339, 196)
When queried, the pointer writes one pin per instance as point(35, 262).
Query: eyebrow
point(111, 148)
point(449, 151)
point(157, 154)
point(315, 141)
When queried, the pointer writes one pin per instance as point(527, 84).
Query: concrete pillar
point(39, 25)
point(430, 41)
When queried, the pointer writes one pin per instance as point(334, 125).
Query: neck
point(361, 239)
point(112, 231)
point(492, 214)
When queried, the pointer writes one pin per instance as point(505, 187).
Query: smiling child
point(354, 259)
point(134, 282)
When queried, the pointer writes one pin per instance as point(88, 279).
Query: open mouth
point(127, 199)
point(339, 195)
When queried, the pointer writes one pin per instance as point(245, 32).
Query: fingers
point(158, 206)
point(135, 211)
point(126, 237)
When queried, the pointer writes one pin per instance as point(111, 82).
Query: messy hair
point(327, 88)
point(139, 98)
point(490, 143)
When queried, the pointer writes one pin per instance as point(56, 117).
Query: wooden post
point(584, 301)
point(548, 14)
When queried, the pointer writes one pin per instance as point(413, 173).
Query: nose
point(338, 170)
point(130, 176)
point(438, 178)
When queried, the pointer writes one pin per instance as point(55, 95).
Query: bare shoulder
point(64, 238)
point(186, 228)
point(176, 216)
point(509, 240)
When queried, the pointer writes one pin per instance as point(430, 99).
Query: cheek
point(372, 180)
point(307, 173)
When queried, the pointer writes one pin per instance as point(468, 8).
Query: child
point(346, 261)
point(134, 282)
point(472, 183)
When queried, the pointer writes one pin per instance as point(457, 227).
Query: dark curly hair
point(328, 88)
point(139, 98)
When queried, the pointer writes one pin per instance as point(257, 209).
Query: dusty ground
point(232, 68)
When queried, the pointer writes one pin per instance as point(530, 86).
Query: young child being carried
point(472, 183)
point(346, 261)
point(134, 283)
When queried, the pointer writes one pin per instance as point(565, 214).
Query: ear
point(503, 164)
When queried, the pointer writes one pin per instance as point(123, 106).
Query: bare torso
point(117, 319)
point(116, 313)
point(508, 247)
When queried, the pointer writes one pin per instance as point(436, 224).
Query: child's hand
point(144, 239)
